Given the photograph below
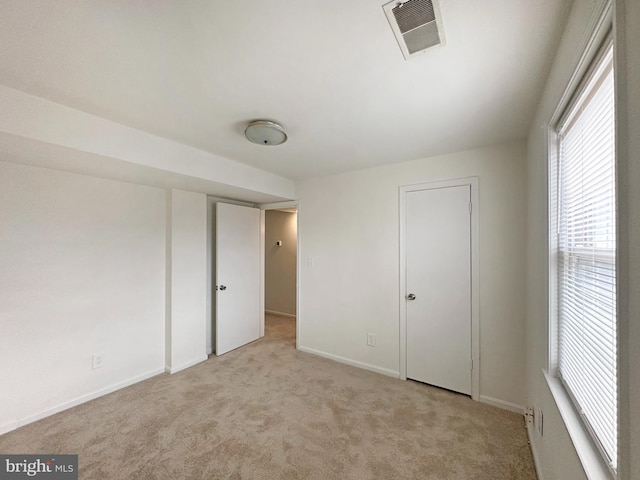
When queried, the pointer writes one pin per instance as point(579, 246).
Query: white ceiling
point(329, 71)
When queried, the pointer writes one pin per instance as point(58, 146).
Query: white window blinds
point(587, 257)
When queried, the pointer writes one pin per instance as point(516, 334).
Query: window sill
point(594, 465)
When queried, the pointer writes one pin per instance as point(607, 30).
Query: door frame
point(403, 190)
point(276, 206)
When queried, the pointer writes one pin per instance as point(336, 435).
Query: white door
point(438, 282)
point(237, 276)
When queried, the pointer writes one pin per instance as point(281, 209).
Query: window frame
point(593, 459)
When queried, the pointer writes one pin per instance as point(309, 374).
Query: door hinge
point(472, 364)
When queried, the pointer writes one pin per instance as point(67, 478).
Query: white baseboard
point(496, 402)
point(349, 361)
point(182, 366)
point(77, 401)
point(534, 453)
point(7, 427)
point(279, 314)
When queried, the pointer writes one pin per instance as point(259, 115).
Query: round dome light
point(264, 132)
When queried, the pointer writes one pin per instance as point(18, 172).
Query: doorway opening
point(281, 270)
point(278, 292)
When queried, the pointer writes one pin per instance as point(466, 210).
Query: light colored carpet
point(267, 411)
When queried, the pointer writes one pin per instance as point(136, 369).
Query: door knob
point(411, 296)
point(223, 287)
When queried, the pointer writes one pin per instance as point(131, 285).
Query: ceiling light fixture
point(264, 132)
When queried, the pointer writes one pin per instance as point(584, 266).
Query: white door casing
point(238, 276)
point(438, 242)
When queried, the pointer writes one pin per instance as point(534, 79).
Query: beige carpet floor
point(268, 411)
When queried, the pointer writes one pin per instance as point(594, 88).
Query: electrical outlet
point(97, 361)
point(528, 415)
point(371, 339)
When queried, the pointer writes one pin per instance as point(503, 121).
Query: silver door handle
point(411, 296)
point(221, 287)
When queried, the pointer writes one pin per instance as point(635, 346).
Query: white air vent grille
point(416, 24)
point(413, 14)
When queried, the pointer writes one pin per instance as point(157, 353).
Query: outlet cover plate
point(97, 361)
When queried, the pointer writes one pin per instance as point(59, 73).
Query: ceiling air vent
point(416, 25)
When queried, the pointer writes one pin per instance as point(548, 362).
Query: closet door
point(438, 281)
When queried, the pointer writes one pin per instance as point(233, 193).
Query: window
point(585, 256)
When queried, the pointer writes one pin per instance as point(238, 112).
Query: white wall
point(82, 272)
point(186, 279)
point(280, 262)
point(349, 225)
point(556, 455)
